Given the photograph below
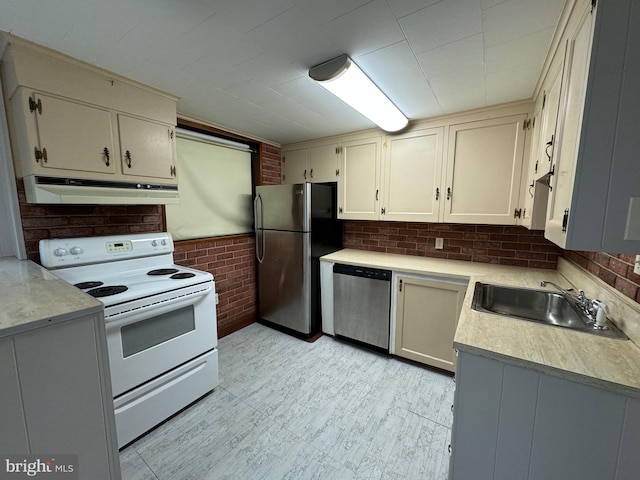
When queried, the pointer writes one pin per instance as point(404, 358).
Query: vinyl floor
point(288, 409)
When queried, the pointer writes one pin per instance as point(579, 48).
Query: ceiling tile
point(442, 23)
point(270, 69)
point(511, 84)
point(364, 30)
point(321, 12)
point(452, 56)
point(530, 49)
point(464, 79)
point(517, 18)
point(463, 100)
point(402, 8)
point(253, 92)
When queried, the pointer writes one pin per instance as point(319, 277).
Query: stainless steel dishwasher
point(361, 299)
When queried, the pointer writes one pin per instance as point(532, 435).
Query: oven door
point(149, 337)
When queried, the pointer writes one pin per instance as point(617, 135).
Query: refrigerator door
point(284, 280)
point(283, 207)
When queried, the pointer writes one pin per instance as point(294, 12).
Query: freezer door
point(283, 207)
point(284, 280)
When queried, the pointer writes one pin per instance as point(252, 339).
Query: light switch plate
point(439, 243)
point(636, 267)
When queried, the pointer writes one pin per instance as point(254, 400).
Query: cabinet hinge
point(400, 283)
point(33, 105)
point(284, 177)
point(544, 99)
point(526, 125)
point(283, 159)
point(593, 5)
point(338, 150)
point(170, 134)
point(382, 211)
point(337, 172)
point(40, 154)
point(517, 213)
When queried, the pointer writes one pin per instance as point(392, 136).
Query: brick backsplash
point(615, 269)
point(503, 245)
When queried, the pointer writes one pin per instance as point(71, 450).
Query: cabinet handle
point(449, 193)
point(546, 149)
point(437, 193)
point(311, 173)
point(127, 158)
point(565, 220)
point(305, 173)
point(106, 155)
point(377, 192)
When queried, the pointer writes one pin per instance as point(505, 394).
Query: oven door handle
point(141, 313)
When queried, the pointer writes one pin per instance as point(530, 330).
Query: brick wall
point(271, 164)
point(231, 261)
point(504, 245)
point(614, 269)
point(66, 221)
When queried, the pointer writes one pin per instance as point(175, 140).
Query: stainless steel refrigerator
point(295, 225)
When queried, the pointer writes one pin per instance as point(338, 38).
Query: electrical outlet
point(217, 298)
point(439, 243)
point(636, 267)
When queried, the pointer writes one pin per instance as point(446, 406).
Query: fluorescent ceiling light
point(342, 77)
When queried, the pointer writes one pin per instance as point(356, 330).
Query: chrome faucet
point(581, 301)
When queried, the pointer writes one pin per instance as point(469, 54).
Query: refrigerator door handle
point(259, 231)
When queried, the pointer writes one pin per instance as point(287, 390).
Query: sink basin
point(541, 306)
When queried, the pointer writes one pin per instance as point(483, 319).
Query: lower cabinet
point(56, 395)
point(511, 423)
point(427, 312)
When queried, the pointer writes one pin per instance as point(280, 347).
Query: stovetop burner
point(85, 285)
point(106, 291)
point(181, 275)
point(163, 271)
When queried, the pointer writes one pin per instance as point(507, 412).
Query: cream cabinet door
point(484, 165)
point(569, 127)
point(147, 149)
point(323, 163)
point(73, 136)
point(412, 173)
point(427, 315)
point(295, 166)
point(359, 180)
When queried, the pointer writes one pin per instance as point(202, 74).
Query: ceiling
point(242, 64)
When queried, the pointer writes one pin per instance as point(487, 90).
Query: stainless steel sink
point(541, 306)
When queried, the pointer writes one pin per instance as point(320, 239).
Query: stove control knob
point(60, 252)
point(154, 243)
point(163, 242)
point(75, 251)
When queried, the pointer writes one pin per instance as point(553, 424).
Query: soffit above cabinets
point(242, 65)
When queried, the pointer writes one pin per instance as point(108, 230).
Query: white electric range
point(160, 322)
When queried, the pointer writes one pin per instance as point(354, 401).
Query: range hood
point(41, 189)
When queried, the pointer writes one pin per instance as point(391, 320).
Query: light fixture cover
point(342, 77)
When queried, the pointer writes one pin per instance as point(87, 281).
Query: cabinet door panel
point(75, 136)
point(150, 146)
point(295, 166)
point(13, 437)
point(426, 319)
point(323, 163)
point(572, 108)
point(413, 167)
point(484, 165)
point(358, 190)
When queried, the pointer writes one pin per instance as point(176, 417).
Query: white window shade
point(215, 189)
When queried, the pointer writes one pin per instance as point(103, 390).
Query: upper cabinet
point(72, 122)
point(594, 200)
point(316, 163)
point(484, 164)
point(461, 169)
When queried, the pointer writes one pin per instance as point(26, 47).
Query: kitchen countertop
point(604, 362)
point(31, 297)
